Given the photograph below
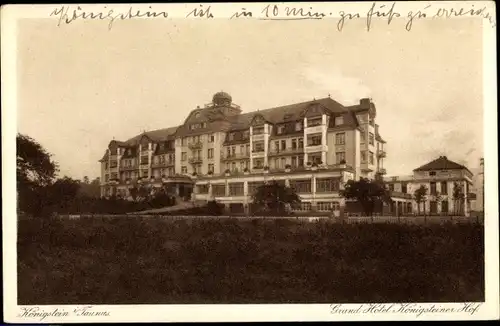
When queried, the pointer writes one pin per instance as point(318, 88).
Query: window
point(315, 158)
point(283, 163)
point(444, 188)
point(211, 168)
point(258, 131)
point(327, 184)
point(144, 173)
point(301, 160)
point(276, 163)
point(218, 190)
point(233, 151)
point(283, 144)
point(404, 188)
point(433, 188)
point(144, 160)
point(371, 138)
point(294, 161)
point(340, 138)
point(184, 170)
point(258, 163)
point(314, 140)
point(372, 158)
point(231, 136)
point(339, 157)
point(183, 156)
point(106, 177)
point(233, 166)
point(294, 143)
point(246, 134)
point(313, 122)
point(247, 149)
point(298, 126)
point(202, 189)
point(242, 165)
point(242, 149)
point(391, 186)
point(236, 189)
point(258, 146)
point(301, 186)
point(363, 137)
point(277, 146)
point(301, 143)
point(228, 151)
point(433, 207)
point(280, 130)
point(363, 156)
point(253, 186)
point(211, 138)
point(210, 153)
point(444, 206)
point(433, 173)
point(339, 121)
point(144, 147)
point(184, 141)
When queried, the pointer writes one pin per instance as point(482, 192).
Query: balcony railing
point(128, 167)
point(163, 164)
point(258, 150)
point(195, 145)
point(287, 151)
point(382, 171)
point(235, 156)
point(381, 153)
point(194, 160)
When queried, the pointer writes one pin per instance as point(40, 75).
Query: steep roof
point(441, 163)
point(284, 113)
point(156, 135)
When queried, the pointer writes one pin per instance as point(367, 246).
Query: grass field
point(162, 261)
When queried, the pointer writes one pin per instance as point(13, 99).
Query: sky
point(81, 85)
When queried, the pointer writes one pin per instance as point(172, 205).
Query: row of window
point(195, 126)
point(323, 185)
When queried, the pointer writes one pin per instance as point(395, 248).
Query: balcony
point(163, 164)
point(195, 160)
point(195, 145)
point(236, 156)
point(286, 151)
point(381, 153)
point(128, 167)
point(382, 171)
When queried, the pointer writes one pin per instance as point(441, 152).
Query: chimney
point(365, 103)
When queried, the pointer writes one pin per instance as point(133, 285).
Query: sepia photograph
point(271, 158)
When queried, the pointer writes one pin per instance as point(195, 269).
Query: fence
point(348, 220)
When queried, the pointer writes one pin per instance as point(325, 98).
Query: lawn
point(136, 260)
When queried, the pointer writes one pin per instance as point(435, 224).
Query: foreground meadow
point(186, 261)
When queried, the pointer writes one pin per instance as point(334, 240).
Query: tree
point(458, 197)
point(34, 164)
point(368, 193)
point(86, 180)
point(438, 198)
point(35, 170)
point(275, 198)
point(92, 189)
point(420, 196)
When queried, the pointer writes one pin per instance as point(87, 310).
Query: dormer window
point(339, 121)
point(432, 173)
point(129, 151)
point(298, 126)
point(280, 129)
point(313, 122)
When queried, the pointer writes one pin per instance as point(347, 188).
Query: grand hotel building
point(223, 154)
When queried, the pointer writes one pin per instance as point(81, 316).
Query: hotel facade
point(220, 153)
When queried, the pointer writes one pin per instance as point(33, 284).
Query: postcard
point(246, 162)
